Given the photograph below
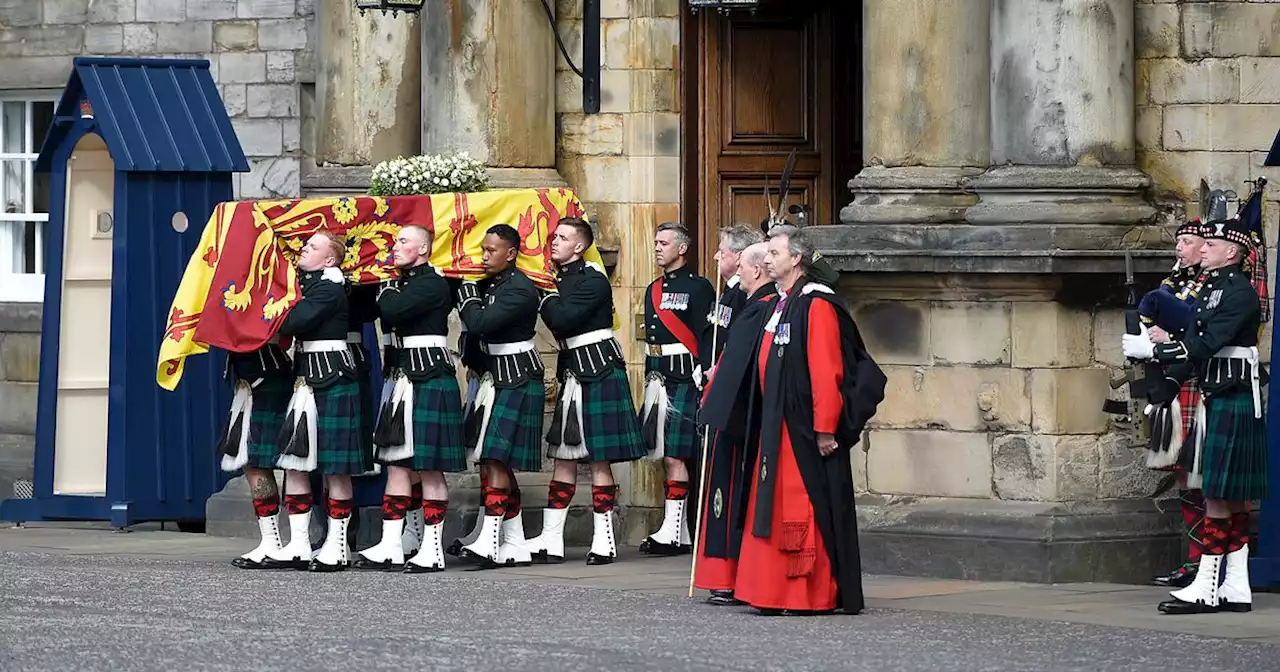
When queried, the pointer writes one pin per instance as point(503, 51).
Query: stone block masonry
point(260, 54)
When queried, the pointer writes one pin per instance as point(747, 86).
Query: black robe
point(731, 407)
point(829, 480)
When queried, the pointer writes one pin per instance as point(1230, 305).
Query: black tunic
point(320, 315)
point(507, 313)
point(1226, 314)
point(732, 300)
point(583, 303)
point(687, 299)
point(731, 406)
point(828, 480)
point(419, 305)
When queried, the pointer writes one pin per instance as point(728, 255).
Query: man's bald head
point(751, 271)
point(412, 248)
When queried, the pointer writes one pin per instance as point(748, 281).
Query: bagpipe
point(1171, 307)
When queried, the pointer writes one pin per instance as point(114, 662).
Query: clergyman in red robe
point(820, 387)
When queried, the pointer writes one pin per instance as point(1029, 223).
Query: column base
point(915, 195)
point(1117, 541)
point(1061, 195)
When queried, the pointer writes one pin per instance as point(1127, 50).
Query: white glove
point(1138, 346)
point(697, 376)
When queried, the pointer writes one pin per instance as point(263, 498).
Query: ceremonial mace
point(706, 440)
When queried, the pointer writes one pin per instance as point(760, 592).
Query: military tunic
point(1220, 348)
point(595, 417)
point(328, 396)
point(732, 300)
point(420, 426)
point(677, 350)
point(504, 421)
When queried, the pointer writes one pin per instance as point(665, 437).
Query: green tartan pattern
point(1234, 457)
point(340, 437)
point(610, 428)
point(681, 440)
point(270, 401)
point(514, 434)
point(438, 442)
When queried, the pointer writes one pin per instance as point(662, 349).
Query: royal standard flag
point(242, 279)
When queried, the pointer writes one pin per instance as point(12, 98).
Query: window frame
point(26, 287)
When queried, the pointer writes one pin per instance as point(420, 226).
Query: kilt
point(514, 433)
point(610, 427)
point(339, 448)
point(1234, 456)
point(270, 402)
point(438, 443)
point(1188, 399)
point(681, 439)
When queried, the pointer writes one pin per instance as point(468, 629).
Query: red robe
point(792, 568)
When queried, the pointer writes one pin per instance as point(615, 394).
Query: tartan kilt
point(610, 426)
point(270, 402)
point(681, 440)
point(514, 433)
point(438, 443)
point(339, 434)
point(1188, 399)
point(1234, 456)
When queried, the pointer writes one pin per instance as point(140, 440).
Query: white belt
point(668, 350)
point(1238, 352)
point(355, 337)
point(1249, 354)
point(500, 349)
point(424, 341)
point(324, 346)
point(589, 338)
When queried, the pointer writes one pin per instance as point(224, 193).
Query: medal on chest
point(721, 316)
point(1215, 298)
point(781, 337)
point(674, 301)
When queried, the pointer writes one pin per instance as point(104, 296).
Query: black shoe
point(410, 568)
point(371, 566)
point(1176, 607)
point(724, 598)
point(1178, 578)
point(651, 547)
point(246, 563)
point(320, 567)
point(544, 558)
point(593, 559)
point(1235, 607)
point(455, 548)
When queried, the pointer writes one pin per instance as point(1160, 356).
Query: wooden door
point(765, 89)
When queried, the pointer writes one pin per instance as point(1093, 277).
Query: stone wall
point(19, 375)
point(261, 54)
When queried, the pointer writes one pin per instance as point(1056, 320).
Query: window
point(24, 195)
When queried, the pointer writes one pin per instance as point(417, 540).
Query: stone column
point(925, 112)
point(488, 85)
point(367, 87)
point(1062, 120)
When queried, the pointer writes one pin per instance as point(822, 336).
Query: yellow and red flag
point(242, 278)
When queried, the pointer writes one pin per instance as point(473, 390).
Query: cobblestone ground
point(120, 613)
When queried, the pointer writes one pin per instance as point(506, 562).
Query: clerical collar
point(734, 281)
point(575, 266)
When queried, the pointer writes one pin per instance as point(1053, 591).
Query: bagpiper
point(419, 428)
point(594, 420)
point(322, 428)
point(1167, 311)
point(677, 347)
point(504, 423)
point(1229, 445)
